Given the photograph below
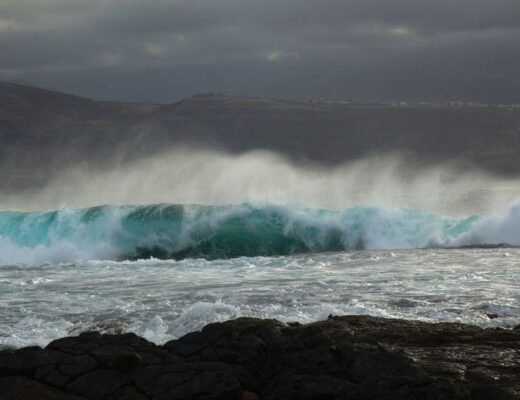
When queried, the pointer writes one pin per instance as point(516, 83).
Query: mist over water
point(195, 176)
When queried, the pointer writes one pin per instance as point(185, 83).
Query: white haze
point(192, 176)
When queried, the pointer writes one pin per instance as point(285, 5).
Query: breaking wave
point(189, 231)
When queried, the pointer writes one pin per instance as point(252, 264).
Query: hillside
point(43, 131)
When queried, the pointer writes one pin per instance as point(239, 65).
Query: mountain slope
point(43, 131)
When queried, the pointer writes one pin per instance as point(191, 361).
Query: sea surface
point(164, 270)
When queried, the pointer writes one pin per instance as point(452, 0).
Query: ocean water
point(164, 270)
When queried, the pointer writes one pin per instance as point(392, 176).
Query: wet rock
point(353, 357)
point(481, 374)
point(98, 384)
point(79, 365)
point(249, 396)
point(127, 393)
point(21, 388)
point(27, 361)
point(143, 378)
point(124, 360)
point(109, 326)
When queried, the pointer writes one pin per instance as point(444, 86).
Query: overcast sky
point(363, 50)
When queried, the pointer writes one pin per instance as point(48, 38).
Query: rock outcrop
point(352, 357)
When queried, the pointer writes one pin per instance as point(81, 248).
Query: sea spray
point(189, 175)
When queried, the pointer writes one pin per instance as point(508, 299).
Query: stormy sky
point(360, 50)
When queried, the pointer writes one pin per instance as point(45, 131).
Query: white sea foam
point(162, 300)
point(33, 331)
point(493, 229)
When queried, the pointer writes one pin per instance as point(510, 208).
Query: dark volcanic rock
point(354, 357)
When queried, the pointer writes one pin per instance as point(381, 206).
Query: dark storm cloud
point(366, 49)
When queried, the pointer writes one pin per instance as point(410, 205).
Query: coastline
point(347, 357)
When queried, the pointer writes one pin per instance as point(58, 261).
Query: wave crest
point(189, 231)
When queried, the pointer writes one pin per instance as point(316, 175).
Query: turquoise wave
point(187, 231)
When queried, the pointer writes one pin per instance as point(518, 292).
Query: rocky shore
point(351, 357)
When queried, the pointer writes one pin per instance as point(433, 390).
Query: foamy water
point(163, 300)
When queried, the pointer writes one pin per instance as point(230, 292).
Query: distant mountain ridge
point(42, 131)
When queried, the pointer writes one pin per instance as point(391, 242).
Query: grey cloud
point(368, 49)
